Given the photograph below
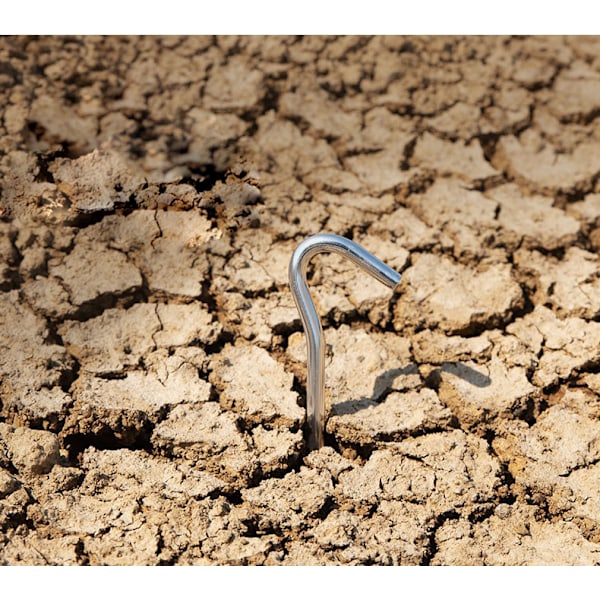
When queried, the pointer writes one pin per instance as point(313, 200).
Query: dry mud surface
point(152, 364)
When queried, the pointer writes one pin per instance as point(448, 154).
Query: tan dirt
point(153, 364)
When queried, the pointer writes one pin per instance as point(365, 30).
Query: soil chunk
point(515, 536)
point(29, 360)
point(438, 293)
point(91, 273)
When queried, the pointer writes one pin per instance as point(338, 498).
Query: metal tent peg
point(325, 242)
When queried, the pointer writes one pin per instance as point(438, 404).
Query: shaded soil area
point(152, 362)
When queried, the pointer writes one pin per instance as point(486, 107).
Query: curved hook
point(325, 242)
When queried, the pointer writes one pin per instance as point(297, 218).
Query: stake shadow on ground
point(384, 382)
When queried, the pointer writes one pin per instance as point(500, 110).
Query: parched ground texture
point(152, 364)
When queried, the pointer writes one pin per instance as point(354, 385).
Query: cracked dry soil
point(152, 364)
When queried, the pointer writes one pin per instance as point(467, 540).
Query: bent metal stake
point(315, 389)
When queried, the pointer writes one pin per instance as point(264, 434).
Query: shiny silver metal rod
point(315, 388)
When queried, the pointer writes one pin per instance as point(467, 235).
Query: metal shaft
point(315, 389)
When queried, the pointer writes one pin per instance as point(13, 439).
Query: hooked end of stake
point(396, 281)
point(387, 276)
